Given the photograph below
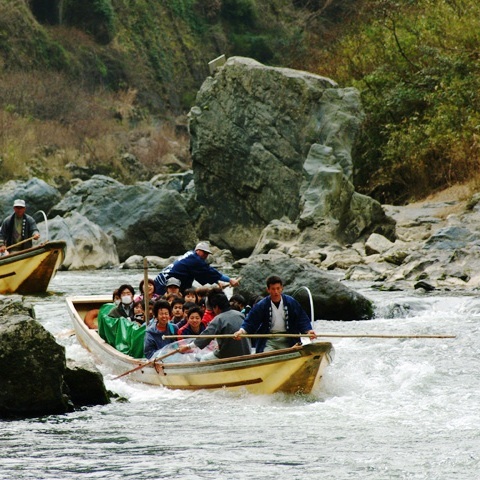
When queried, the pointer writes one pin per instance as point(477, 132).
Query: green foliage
point(24, 44)
point(251, 45)
point(96, 17)
point(417, 66)
point(240, 12)
point(187, 11)
point(257, 30)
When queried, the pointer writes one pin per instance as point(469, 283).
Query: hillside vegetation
point(102, 86)
point(417, 64)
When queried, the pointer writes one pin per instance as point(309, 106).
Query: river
point(386, 408)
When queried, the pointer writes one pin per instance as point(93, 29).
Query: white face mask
point(117, 302)
point(127, 299)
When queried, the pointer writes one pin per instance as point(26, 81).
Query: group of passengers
point(176, 310)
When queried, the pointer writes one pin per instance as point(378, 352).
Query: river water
point(386, 408)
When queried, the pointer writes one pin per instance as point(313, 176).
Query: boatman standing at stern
point(276, 314)
point(18, 227)
point(189, 267)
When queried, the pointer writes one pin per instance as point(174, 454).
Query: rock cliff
point(269, 143)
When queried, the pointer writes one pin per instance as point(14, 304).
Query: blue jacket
point(154, 338)
point(259, 319)
point(187, 268)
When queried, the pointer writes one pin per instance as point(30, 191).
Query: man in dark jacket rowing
point(189, 267)
point(18, 227)
point(226, 322)
point(277, 313)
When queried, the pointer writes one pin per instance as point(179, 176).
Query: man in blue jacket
point(277, 313)
point(189, 267)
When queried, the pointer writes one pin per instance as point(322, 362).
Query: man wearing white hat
point(192, 266)
point(17, 228)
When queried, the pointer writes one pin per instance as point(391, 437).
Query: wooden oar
point(20, 243)
point(306, 335)
point(145, 290)
point(150, 362)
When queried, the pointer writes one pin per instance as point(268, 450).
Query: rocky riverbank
point(437, 246)
point(272, 175)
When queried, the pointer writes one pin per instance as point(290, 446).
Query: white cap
point(204, 246)
point(19, 203)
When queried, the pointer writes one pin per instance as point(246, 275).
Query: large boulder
point(270, 143)
point(141, 218)
point(331, 209)
point(37, 194)
point(332, 300)
point(85, 384)
point(32, 365)
point(88, 246)
point(35, 379)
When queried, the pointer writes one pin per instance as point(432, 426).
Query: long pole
point(145, 291)
point(20, 243)
point(306, 335)
point(146, 364)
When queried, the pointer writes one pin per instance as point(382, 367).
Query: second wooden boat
point(30, 271)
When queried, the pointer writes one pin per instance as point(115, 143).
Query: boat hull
point(30, 271)
point(292, 370)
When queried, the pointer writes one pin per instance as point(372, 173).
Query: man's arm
point(253, 321)
point(32, 226)
point(212, 329)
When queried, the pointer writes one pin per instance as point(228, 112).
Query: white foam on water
point(386, 408)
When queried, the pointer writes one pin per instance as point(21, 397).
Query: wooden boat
point(30, 271)
point(291, 370)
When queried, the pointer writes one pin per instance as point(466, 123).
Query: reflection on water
point(387, 408)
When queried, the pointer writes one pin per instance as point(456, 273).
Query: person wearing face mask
point(125, 307)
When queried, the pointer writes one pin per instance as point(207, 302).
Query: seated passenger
point(190, 295)
point(125, 307)
point(116, 297)
point(201, 304)
point(201, 293)
point(208, 312)
point(155, 331)
point(185, 308)
point(177, 310)
point(194, 324)
point(151, 291)
point(151, 303)
point(173, 286)
point(170, 297)
point(139, 312)
point(225, 322)
point(238, 302)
